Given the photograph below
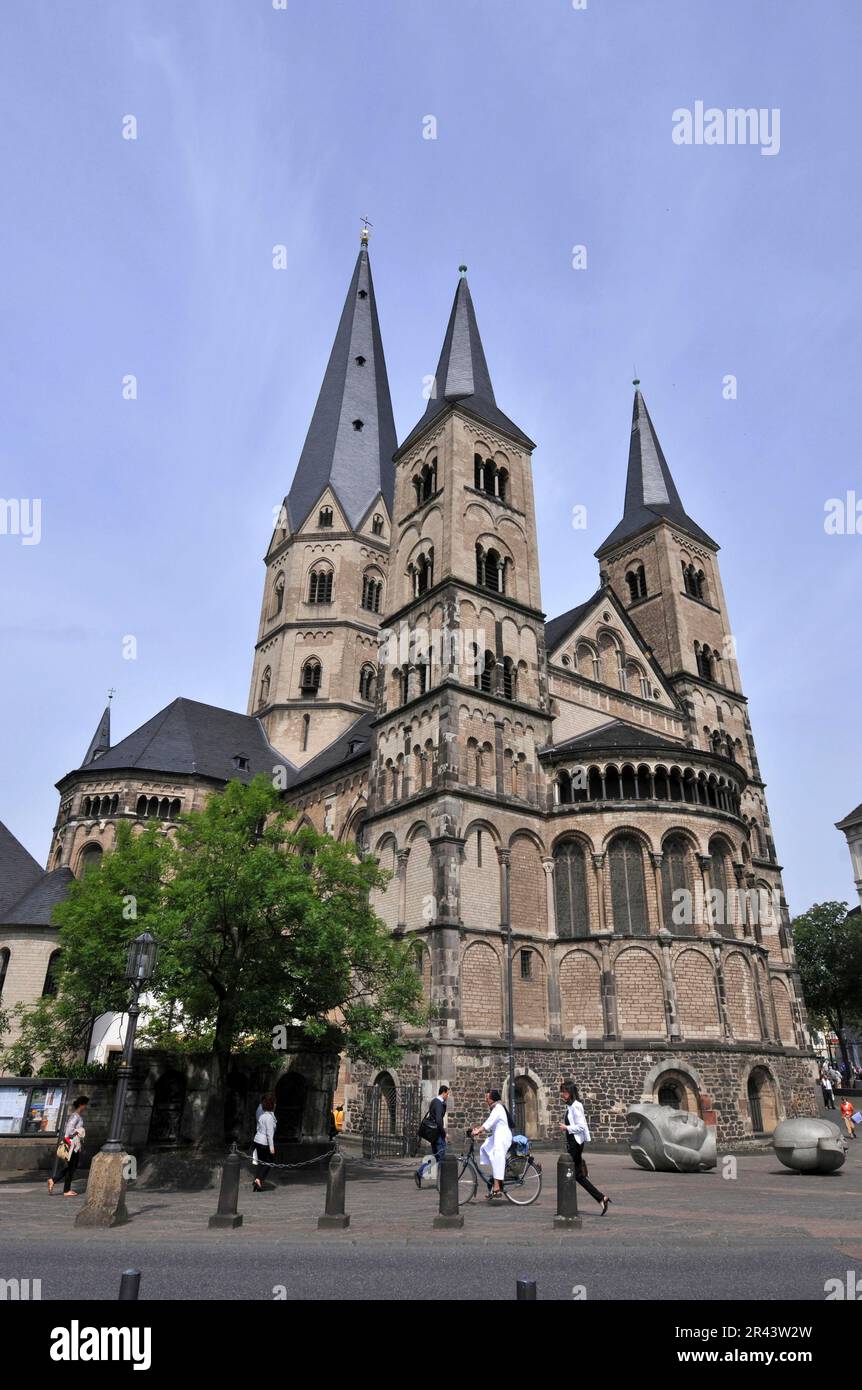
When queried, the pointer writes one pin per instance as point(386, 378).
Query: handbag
point(64, 1150)
point(428, 1130)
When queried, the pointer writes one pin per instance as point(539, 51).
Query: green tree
point(264, 928)
point(828, 943)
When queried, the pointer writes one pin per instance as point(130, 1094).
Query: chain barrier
point(253, 1159)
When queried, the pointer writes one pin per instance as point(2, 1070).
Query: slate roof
point(19, 871)
point(462, 375)
point(190, 737)
point(559, 628)
point(617, 735)
point(101, 740)
point(36, 906)
point(650, 489)
point(356, 463)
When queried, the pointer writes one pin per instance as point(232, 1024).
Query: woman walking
point(264, 1139)
point(68, 1154)
point(577, 1135)
point(495, 1148)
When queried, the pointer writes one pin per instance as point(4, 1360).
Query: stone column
point(498, 757)
point(657, 861)
point(550, 901)
point(720, 990)
point(671, 1007)
point(704, 926)
point(402, 855)
point(598, 864)
point(447, 854)
point(609, 990)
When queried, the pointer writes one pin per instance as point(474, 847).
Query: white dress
point(493, 1152)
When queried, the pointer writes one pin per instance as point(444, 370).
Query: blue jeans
point(438, 1148)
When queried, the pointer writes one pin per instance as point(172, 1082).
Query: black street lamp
point(140, 965)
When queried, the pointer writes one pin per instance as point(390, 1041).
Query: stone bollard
point(130, 1284)
point(334, 1217)
point(567, 1218)
point(526, 1291)
point(449, 1217)
point(228, 1197)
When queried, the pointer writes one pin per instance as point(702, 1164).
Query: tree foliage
point(828, 941)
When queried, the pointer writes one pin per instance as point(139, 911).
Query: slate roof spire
point(462, 375)
point(101, 741)
point(650, 490)
point(351, 438)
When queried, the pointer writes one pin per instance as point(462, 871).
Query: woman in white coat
point(495, 1148)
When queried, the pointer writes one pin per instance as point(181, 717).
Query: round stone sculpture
point(670, 1141)
point(809, 1145)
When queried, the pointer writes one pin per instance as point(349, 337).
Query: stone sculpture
point(809, 1145)
point(670, 1141)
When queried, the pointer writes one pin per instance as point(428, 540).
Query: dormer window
point(360, 361)
point(325, 517)
point(377, 525)
point(240, 762)
point(358, 424)
point(363, 294)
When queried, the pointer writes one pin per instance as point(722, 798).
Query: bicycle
point(522, 1182)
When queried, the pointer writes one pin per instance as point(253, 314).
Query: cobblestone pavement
point(763, 1200)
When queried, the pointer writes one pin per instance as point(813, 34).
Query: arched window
point(372, 591)
point(311, 676)
point(490, 570)
point(628, 888)
point(674, 877)
point(502, 484)
point(721, 878)
point(278, 596)
point(90, 859)
point(320, 585)
point(570, 890)
point(325, 517)
point(424, 573)
point(265, 682)
point(509, 678)
point(486, 681)
point(5, 956)
point(306, 721)
point(377, 525)
point(366, 683)
point(636, 580)
point(425, 482)
point(478, 472)
point(52, 975)
point(705, 661)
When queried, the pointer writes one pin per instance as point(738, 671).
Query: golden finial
point(363, 235)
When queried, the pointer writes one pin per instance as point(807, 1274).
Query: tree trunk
point(212, 1135)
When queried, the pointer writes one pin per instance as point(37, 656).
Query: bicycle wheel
point(467, 1182)
point(524, 1190)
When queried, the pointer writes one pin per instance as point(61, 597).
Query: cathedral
point(571, 811)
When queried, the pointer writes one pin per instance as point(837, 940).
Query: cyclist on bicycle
point(495, 1148)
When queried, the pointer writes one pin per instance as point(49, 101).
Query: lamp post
point(140, 965)
point(106, 1186)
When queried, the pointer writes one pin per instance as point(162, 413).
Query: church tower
point(463, 702)
point(664, 568)
point(314, 670)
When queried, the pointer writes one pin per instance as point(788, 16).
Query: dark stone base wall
point(609, 1080)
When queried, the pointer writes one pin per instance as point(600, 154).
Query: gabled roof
point(352, 745)
point(617, 735)
point(650, 490)
point(558, 629)
point(462, 377)
point(35, 908)
point(19, 871)
point(355, 462)
point(854, 818)
point(190, 737)
point(101, 740)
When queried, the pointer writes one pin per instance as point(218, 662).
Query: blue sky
point(258, 127)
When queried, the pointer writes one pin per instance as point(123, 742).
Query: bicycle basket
point(520, 1146)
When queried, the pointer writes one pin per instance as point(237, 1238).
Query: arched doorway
point(289, 1106)
point(677, 1091)
point(169, 1098)
point(526, 1107)
point(762, 1101)
point(387, 1092)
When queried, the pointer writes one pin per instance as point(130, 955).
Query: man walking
point(826, 1088)
point(433, 1128)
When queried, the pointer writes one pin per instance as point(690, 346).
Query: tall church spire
point(101, 740)
point(650, 490)
point(462, 376)
point(351, 438)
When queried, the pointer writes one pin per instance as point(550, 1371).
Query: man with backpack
point(433, 1130)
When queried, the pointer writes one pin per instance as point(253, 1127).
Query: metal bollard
point(567, 1218)
point(449, 1217)
point(334, 1217)
point(130, 1284)
point(228, 1197)
point(526, 1291)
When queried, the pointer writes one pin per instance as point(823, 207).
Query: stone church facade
point(576, 800)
